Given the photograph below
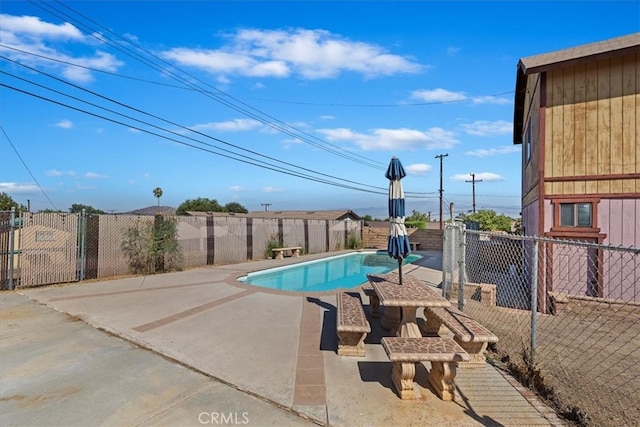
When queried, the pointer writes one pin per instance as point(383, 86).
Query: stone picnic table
point(403, 301)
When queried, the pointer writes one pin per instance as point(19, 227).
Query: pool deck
point(197, 347)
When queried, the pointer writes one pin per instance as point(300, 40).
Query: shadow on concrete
point(379, 372)
point(485, 420)
point(328, 335)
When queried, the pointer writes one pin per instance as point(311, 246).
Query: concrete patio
point(197, 347)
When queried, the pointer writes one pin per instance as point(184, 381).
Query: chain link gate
point(567, 314)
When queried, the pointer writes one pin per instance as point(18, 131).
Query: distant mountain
point(153, 210)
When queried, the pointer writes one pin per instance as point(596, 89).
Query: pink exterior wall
point(619, 219)
point(530, 219)
point(548, 216)
point(575, 268)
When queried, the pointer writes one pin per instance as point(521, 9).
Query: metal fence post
point(83, 242)
point(534, 302)
point(12, 227)
point(446, 257)
point(462, 267)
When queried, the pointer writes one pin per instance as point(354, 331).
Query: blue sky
point(294, 104)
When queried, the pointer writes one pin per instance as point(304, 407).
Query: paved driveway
point(198, 347)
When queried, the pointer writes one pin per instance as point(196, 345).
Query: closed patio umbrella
point(398, 244)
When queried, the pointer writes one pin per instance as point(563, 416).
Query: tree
point(200, 204)
point(417, 216)
point(6, 203)
point(235, 207)
point(417, 220)
point(157, 192)
point(89, 210)
point(489, 220)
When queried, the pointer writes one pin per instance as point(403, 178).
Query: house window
point(575, 214)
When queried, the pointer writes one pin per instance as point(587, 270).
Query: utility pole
point(266, 206)
point(441, 156)
point(473, 181)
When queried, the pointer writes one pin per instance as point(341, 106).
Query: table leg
point(391, 318)
point(408, 325)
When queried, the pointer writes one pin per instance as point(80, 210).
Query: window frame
point(557, 206)
point(527, 143)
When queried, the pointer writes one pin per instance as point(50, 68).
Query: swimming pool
point(326, 274)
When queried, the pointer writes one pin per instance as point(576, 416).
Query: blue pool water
point(327, 274)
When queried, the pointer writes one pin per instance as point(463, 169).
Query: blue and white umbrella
point(398, 244)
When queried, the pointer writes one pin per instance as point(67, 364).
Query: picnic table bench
point(278, 253)
point(443, 353)
point(352, 325)
point(374, 300)
point(468, 333)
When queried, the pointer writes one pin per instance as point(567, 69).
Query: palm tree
point(157, 192)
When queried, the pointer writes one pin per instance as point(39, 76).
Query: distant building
point(335, 215)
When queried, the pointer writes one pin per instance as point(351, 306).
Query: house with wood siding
point(577, 117)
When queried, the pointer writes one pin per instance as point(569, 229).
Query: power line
point(159, 118)
point(409, 194)
point(253, 162)
point(281, 127)
point(27, 168)
point(208, 92)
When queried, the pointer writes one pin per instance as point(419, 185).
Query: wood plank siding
point(591, 139)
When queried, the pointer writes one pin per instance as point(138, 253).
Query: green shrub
point(152, 246)
point(273, 242)
point(353, 241)
point(416, 224)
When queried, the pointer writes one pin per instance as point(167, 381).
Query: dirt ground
point(586, 358)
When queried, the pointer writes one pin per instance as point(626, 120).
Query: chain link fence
point(48, 248)
point(567, 314)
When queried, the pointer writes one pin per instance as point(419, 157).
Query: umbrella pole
point(400, 269)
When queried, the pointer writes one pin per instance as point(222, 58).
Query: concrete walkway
point(199, 348)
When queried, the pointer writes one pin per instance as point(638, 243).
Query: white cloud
point(64, 124)
point(483, 152)
point(93, 175)
point(43, 40)
point(486, 128)
point(438, 95)
point(16, 188)
point(419, 168)
point(484, 176)
point(394, 139)
point(442, 95)
point(452, 50)
point(310, 54)
point(33, 28)
point(236, 125)
point(55, 173)
point(490, 100)
point(273, 190)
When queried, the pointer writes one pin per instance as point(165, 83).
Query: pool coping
point(232, 279)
